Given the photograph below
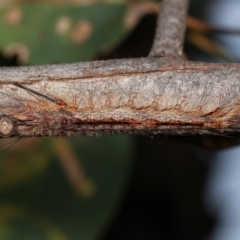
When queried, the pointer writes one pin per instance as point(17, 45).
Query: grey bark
point(152, 96)
point(146, 95)
point(171, 24)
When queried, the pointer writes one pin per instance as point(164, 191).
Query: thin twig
point(73, 168)
point(197, 25)
point(171, 24)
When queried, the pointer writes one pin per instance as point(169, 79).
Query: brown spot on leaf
point(13, 16)
point(17, 49)
point(63, 25)
point(81, 31)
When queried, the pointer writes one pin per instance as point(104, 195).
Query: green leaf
point(45, 206)
point(42, 34)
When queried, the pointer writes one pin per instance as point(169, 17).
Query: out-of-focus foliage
point(198, 33)
point(44, 33)
point(37, 200)
point(55, 31)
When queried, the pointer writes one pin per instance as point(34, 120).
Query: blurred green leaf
point(42, 34)
point(46, 206)
point(18, 223)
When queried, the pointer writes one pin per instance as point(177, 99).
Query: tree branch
point(171, 24)
point(147, 96)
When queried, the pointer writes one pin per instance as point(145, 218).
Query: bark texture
point(158, 95)
point(152, 96)
point(171, 24)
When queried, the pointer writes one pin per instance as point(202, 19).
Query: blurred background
point(113, 187)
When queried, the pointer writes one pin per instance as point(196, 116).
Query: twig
point(199, 26)
point(73, 168)
point(147, 96)
point(171, 24)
